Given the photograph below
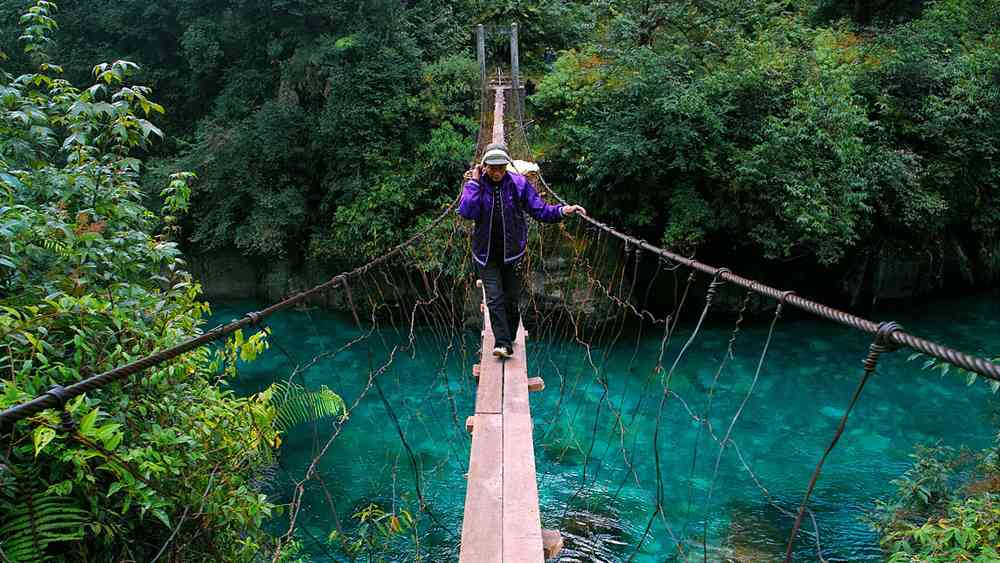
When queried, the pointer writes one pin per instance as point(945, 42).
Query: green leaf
point(11, 180)
point(148, 128)
point(87, 423)
point(42, 436)
point(162, 516)
point(61, 489)
point(345, 43)
point(109, 435)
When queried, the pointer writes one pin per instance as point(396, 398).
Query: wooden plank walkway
point(502, 523)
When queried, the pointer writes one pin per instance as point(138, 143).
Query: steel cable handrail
point(897, 337)
point(58, 395)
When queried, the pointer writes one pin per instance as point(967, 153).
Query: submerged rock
point(871, 441)
point(590, 535)
point(756, 533)
point(832, 412)
point(564, 446)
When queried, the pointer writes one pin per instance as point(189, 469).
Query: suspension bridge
point(593, 265)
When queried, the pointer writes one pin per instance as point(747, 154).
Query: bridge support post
point(481, 57)
point(515, 74)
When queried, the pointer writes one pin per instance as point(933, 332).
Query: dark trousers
point(503, 293)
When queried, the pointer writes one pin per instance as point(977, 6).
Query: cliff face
point(890, 275)
point(228, 275)
point(869, 279)
point(224, 275)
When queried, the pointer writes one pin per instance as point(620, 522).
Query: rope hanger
point(887, 337)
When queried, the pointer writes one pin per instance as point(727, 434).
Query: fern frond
point(28, 528)
point(295, 405)
point(58, 247)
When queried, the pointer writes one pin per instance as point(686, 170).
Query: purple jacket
point(518, 197)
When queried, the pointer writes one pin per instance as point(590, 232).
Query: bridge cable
point(719, 273)
point(882, 343)
point(897, 338)
point(58, 397)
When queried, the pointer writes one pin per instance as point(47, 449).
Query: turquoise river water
point(810, 372)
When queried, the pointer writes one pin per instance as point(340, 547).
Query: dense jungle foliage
point(825, 131)
point(786, 131)
point(163, 466)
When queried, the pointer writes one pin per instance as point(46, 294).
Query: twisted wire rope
point(60, 395)
point(898, 338)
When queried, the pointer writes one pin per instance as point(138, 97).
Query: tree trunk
point(862, 12)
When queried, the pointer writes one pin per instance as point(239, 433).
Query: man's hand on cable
point(573, 209)
point(473, 173)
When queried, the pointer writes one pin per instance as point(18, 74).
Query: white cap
point(496, 154)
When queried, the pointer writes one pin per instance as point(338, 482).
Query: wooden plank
point(522, 526)
point(536, 384)
point(489, 393)
point(552, 543)
point(482, 523)
point(498, 136)
point(516, 379)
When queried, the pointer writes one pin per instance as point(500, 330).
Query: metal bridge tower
point(517, 91)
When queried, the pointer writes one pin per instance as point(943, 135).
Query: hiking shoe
point(503, 351)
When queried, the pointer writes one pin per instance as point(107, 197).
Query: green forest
point(820, 132)
point(855, 144)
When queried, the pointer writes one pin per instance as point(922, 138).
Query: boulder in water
point(832, 412)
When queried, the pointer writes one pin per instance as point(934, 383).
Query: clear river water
point(586, 489)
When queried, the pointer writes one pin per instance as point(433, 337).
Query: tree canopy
point(782, 130)
point(91, 279)
point(790, 130)
point(325, 131)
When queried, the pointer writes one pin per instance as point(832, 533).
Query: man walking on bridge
point(497, 201)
